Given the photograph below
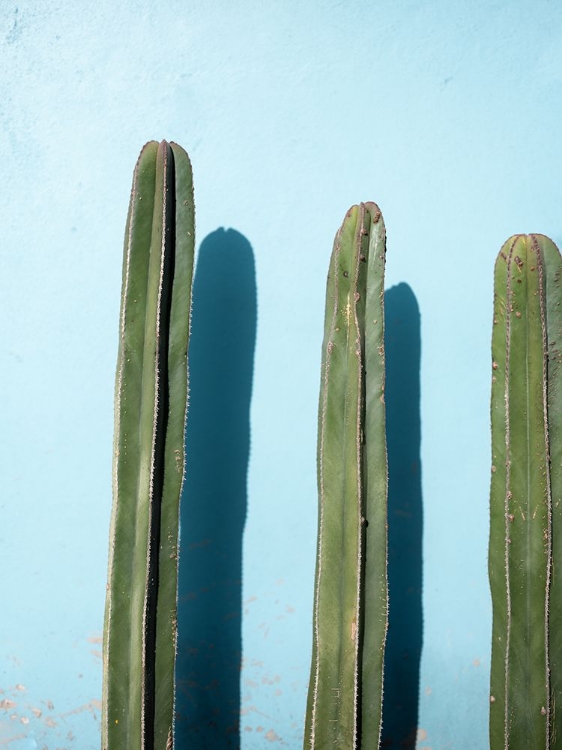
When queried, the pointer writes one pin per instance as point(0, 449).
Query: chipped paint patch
point(40, 725)
point(9, 740)
point(93, 706)
point(271, 736)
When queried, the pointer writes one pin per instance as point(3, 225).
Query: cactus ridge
point(150, 411)
point(350, 608)
point(525, 495)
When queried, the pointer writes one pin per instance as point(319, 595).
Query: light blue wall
point(447, 114)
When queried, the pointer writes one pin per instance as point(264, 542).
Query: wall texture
point(447, 114)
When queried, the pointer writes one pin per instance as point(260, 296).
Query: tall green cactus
point(350, 609)
point(150, 411)
point(525, 561)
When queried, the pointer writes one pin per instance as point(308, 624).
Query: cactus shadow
point(214, 500)
point(405, 518)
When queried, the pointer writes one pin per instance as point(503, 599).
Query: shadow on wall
point(405, 519)
point(214, 501)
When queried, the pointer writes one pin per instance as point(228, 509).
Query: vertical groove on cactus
point(350, 610)
point(150, 411)
point(525, 495)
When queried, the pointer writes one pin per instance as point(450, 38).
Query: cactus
point(150, 412)
point(525, 500)
point(350, 609)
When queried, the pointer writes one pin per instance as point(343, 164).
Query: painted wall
point(447, 114)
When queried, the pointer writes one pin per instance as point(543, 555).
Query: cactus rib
point(525, 495)
point(350, 611)
point(150, 412)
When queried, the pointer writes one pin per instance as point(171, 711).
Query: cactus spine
point(150, 411)
point(525, 500)
point(350, 610)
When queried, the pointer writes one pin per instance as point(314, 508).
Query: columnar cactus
point(350, 607)
point(525, 561)
point(150, 412)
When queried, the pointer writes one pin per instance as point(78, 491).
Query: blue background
point(447, 114)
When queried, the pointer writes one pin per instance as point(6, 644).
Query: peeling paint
point(271, 736)
point(9, 740)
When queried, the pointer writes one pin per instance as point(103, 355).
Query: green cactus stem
point(525, 560)
point(350, 608)
point(150, 412)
